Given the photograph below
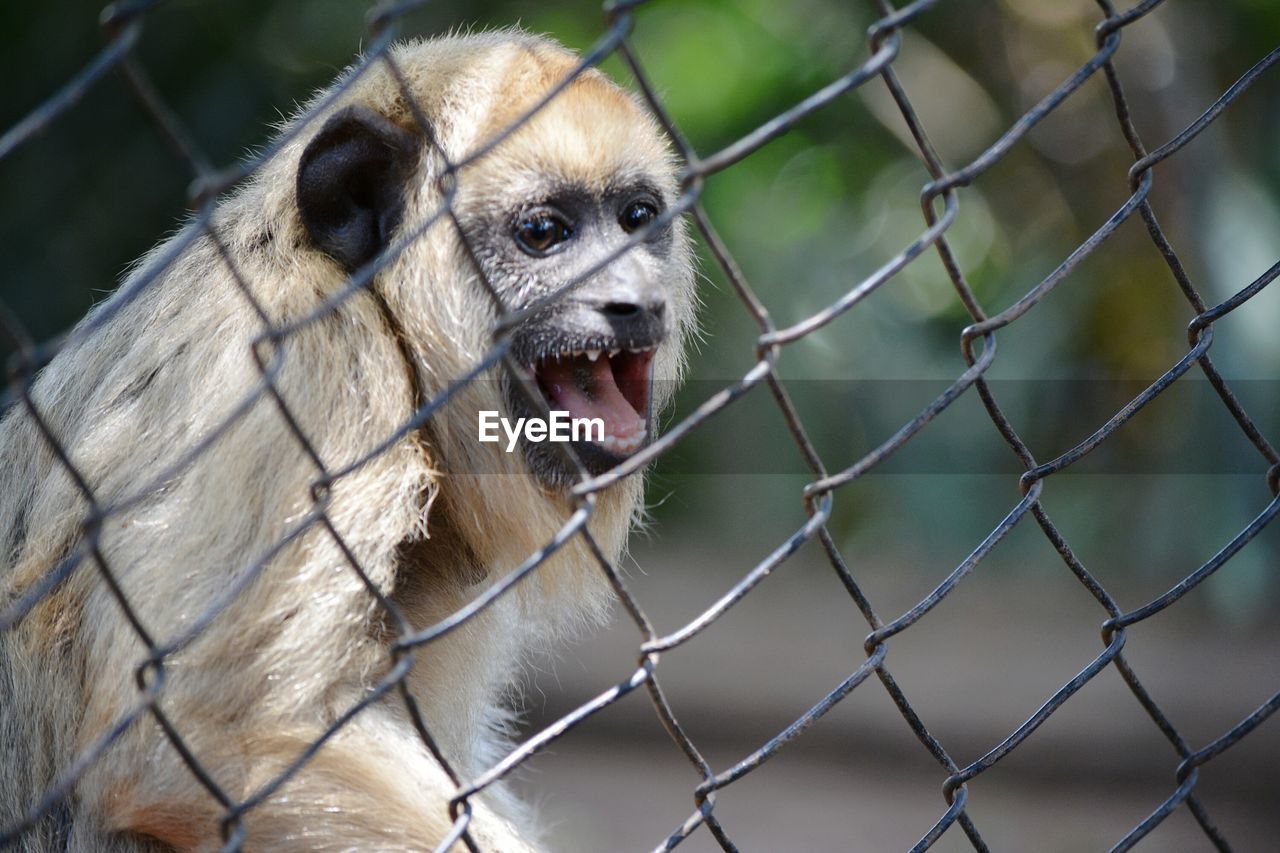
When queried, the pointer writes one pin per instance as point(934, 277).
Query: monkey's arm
point(366, 789)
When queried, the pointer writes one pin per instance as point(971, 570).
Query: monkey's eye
point(637, 215)
point(541, 231)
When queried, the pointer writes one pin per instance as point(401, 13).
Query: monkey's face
point(592, 350)
point(591, 353)
point(570, 221)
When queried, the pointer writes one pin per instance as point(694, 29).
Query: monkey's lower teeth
point(624, 445)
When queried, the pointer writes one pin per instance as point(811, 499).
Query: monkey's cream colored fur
point(305, 641)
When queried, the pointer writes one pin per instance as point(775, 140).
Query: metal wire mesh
point(939, 203)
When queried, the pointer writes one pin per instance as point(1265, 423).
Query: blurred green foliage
point(807, 217)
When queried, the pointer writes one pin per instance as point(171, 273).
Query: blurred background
point(808, 217)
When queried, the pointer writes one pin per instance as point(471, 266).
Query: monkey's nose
point(628, 310)
point(637, 320)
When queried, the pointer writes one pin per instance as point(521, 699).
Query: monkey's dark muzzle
point(595, 363)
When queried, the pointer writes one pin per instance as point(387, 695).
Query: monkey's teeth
point(624, 445)
point(614, 352)
point(593, 354)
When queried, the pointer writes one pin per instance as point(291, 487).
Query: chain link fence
point(940, 199)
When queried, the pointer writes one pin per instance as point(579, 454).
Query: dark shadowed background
point(806, 218)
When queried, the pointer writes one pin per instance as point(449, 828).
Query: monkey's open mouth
point(611, 386)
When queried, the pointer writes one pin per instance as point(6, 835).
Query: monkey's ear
point(351, 183)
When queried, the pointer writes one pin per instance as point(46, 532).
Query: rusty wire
point(121, 23)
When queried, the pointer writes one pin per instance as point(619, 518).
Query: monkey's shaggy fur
point(433, 520)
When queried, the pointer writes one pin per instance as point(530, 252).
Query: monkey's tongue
point(615, 390)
